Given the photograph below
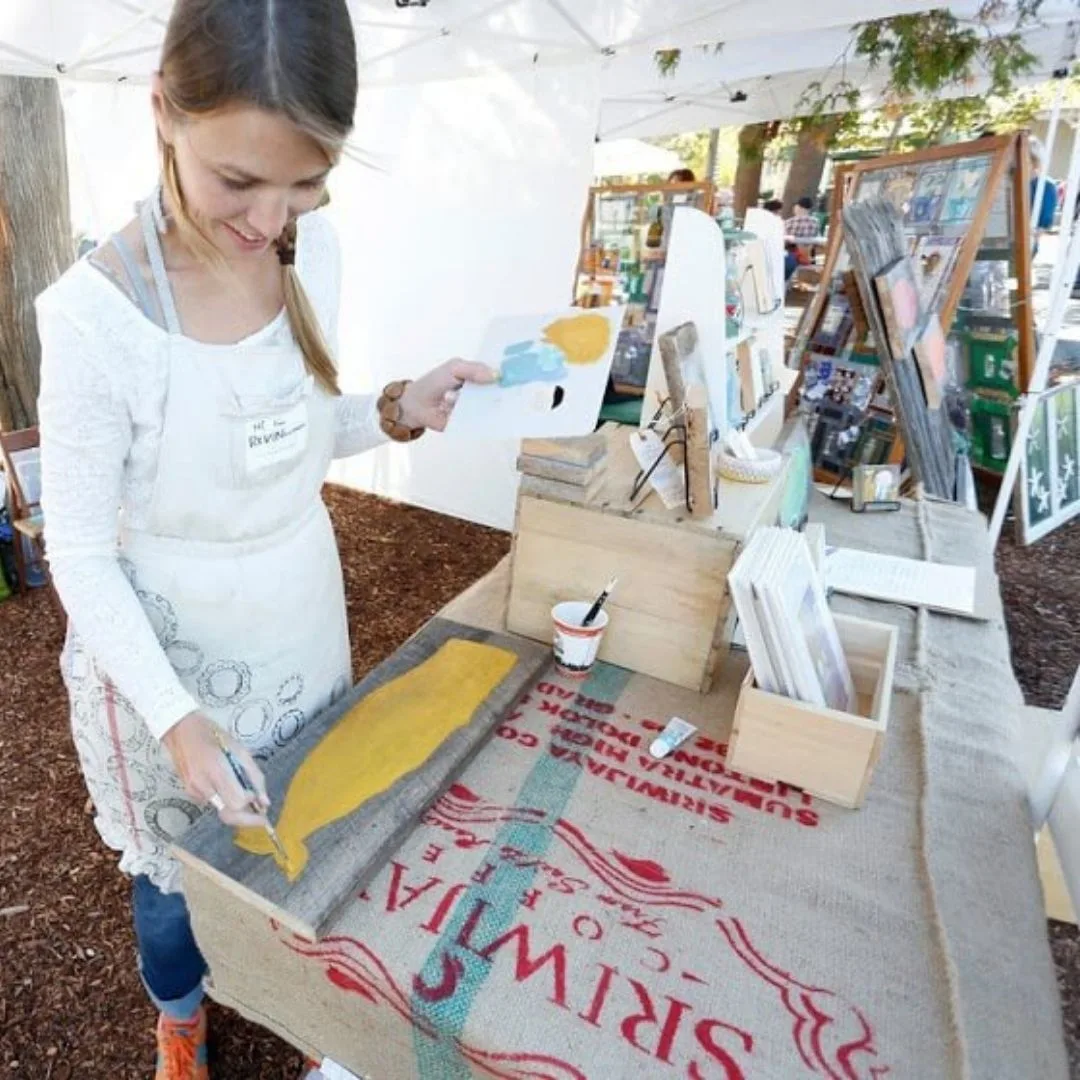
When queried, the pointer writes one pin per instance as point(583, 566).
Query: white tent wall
point(112, 156)
point(477, 213)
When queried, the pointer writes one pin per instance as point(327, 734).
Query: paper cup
point(576, 646)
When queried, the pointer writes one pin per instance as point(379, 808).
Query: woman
point(189, 411)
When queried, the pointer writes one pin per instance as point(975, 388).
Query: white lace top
point(101, 410)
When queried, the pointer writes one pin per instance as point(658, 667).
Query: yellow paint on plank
point(387, 735)
point(582, 338)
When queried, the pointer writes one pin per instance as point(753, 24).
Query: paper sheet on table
point(940, 586)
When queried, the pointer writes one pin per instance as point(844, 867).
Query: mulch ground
point(71, 1006)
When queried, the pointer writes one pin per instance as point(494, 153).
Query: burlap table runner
point(571, 908)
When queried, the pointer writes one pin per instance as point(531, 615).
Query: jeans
point(791, 264)
point(170, 963)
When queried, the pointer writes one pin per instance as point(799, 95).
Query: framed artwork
point(1049, 490)
point(899, 188)
point(875, 487)
point(929, 194)
point(965, 191)
point(835, 326)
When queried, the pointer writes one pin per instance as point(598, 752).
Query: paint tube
point(672, 737)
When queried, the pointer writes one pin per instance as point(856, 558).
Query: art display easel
point(973, 198)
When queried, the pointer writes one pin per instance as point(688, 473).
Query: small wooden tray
point(828, 753)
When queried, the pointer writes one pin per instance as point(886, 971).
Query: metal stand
point(675, 435)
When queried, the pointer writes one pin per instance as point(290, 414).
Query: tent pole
point(1039, 377)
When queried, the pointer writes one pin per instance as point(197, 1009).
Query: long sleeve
point(86, 434)
point(356, 425)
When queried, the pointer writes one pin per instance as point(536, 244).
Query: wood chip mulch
point(71, 1005)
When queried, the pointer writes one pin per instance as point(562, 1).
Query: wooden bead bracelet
point(389, 406)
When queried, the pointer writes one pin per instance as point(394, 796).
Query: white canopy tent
point(482, 115)
point(632, 157)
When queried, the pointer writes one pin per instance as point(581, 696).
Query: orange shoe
point(182, 1048)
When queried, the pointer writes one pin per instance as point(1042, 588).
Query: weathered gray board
point(875, 241)
point(346, 854)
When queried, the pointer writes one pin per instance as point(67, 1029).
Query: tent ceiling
point(772, 50)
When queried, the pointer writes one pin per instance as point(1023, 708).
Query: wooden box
point(827, 753)
point(669, 613)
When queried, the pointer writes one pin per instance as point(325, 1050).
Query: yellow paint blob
point(583, 338)
point(387, 735)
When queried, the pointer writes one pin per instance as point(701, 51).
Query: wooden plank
point(991, 143)
point(347, 853)
point(583, 451)
point(556, 489)
point(701, 491)
point(566, 472)
point(874, 240)
point(1023, 228)
point(672, 584)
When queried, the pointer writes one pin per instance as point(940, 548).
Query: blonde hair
point(293, 57)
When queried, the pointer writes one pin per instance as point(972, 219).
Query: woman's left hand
point(429, 400)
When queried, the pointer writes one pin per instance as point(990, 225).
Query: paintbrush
point(599, 602)
point(248, 787)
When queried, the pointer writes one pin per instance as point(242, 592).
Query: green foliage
point(933, 51)
point(667, 60)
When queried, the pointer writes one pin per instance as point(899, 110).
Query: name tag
point(269, 440)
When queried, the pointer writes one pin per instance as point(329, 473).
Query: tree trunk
point(811, 150)
point(753, 139)
point(36, 245)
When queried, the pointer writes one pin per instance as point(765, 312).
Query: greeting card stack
point(814, 706)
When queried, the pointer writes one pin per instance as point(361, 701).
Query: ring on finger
point(217, 802)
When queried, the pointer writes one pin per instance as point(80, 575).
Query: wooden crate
point(825, 752)
point(669, 614)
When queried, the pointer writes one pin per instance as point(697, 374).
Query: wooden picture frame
point(854, 181)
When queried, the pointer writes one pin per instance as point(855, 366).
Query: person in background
point(682, 176)
point(802, 223)
point(1042, 217)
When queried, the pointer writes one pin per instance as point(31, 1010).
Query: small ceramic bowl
point(759, 471)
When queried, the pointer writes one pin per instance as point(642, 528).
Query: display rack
point(623, 254)
point(967, 224)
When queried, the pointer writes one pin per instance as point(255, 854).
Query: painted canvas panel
point(930, 353)
point(898, 295)
point(553, 370)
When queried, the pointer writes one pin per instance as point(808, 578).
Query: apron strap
point(157, 264)
point(142, 294)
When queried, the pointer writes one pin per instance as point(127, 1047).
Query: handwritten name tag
point(269, 440)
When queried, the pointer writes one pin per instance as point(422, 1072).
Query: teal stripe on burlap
point(548, 787)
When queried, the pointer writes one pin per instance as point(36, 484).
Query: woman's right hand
point(205, 773)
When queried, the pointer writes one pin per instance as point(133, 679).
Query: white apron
point(238, 572)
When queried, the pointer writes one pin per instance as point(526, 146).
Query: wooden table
point(569, 910)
